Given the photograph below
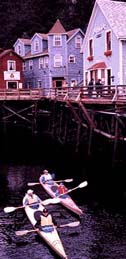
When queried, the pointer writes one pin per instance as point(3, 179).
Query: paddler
point(46, 223)
point(46, 177)
point(31, 198)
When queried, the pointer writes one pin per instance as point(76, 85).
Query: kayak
point(65, 200)
point(51, 238)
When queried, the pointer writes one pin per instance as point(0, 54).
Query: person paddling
point(61, 190)
point(46, 177)
point(45, 222)
point(31, 198)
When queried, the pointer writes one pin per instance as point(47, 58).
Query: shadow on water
point(106, 181)
point(102, 232)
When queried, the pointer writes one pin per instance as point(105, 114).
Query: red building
point(11, 70)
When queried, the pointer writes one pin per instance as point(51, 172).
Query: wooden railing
point(112, 93)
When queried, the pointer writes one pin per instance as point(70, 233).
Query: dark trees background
point(22, 18)
point(19, 18)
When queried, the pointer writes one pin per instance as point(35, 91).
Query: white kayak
point(51, 238)
point(66, 201)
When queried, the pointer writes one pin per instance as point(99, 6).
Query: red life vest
point(62, 189)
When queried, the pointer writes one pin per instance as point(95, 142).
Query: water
point(101, 235)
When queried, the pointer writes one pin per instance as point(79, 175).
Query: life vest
point(32, 199)
point(46, 221)
point(47, 178)
point(62, 189)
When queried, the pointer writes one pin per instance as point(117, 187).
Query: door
point(109, 80)
point(12, 85)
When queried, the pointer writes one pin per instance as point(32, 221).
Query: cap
point(45, 171)
point(45, 211)
point(30, 191)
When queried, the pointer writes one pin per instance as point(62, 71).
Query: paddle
point(24, 232)
point(45, 202)
point(81, 185)
point(66, 181)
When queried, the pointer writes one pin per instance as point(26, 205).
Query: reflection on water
point(101, 235)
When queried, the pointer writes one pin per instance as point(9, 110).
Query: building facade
point(11, 72)
point(54, 59)
point(104, 45)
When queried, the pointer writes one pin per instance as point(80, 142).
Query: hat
point(45, 171)
point(45, 211)
point(30, 191)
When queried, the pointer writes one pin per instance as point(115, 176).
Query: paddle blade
point(24, 232)
point(68, 180)
point(72, 224)
point(9, 209)
point(51, 201)
point(84, 184)
point(21, 232)
point(32, 184)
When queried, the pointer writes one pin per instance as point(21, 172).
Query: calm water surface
point(101, 235)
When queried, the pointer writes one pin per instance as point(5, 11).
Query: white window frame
point(11, 65)
point(41, 63)
point(30, 64)
point(78, 42)
point(57, 60)
point(57, 40)
point(46, 62)
point(36, 45)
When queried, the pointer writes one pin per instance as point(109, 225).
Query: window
point(103, 76)
point(24, 66)
point(30, 64)
point(108, 40)
point(41, 63)
point(90, 48)
point(46, 61)
point(102, 73)
point(11, 65)
point(78, 42)
point(57, 60)
point(108, 44)
point(36, 45)
point(71, 59)
point(19, 50)
point(57, 40)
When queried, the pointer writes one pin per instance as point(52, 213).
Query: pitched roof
point(43, 35)
point(25, 41)
point(71, 33)
point(115, 13)
point(57, 28)
point(5, 52)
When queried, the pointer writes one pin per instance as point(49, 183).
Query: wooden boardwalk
point(109, 94)
point(72, 112)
